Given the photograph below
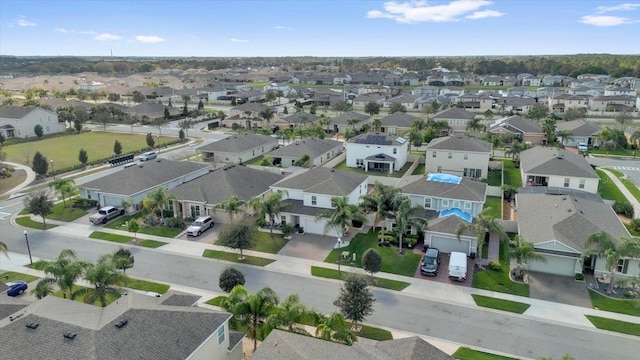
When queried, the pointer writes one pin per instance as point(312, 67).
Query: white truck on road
point(458, 266)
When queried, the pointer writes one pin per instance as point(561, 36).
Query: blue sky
point(318, 28)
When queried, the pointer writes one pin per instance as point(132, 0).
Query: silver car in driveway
point(199, 226)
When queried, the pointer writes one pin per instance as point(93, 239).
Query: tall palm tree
point(377, 122)
point(382, 202)
point(267, 114)
point(602, 244)
point(407, 216)
point(289, 315)
point(341, 216)
point(64, 187)
point(105, 278)
point(335, 328)
point(475, 125)
point(250, 309)
point(483, 224)
point(523, 251)
point(270, 207)
point(549, 128)
point(233, 205)
point(496, 141)
point(568, 135)
point(64, 271)
point(158, 199)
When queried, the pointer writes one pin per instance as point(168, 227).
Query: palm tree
point(376, 124)
point(568, 135)
point(523, 251)
point(496, 141)
point(104, 277)
point(484, 223)
point(250, 309)
point(335, 328)
point(64, 187)
point(289, 315)
point(602, 244)
point(382, 202)
point(268, 115)
point(407, 216)
point(270, 96)
point(64, 271)
point(341, 216)
point(549, 128)
point(158, 199)
point(233, 205)
point(475, 125)
point(270, 207)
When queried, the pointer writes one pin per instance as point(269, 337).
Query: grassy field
point(499, 304)
point(511, 174)
point(392, 262)
point(235, 257)
point(499, 280)
point(64, 150)
point(27, 222)
point(67, 214)
point(8, 276)
point(216, 301)
point(397, 174)
point(629, 307)
point(110, 297)
point(607, 189)
point(633, 189)
point(615, 325)
point(265, 243)
point(377, 282)
point(495, 203)
point(465, 353)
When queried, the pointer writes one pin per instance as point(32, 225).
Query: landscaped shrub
point(409, 241)
point(635, 225)
point(579, 277)
point(261, 222)
point(229, 278)
point(177, 223)
point(83, 204)
point(624, 208)
point(495, 265)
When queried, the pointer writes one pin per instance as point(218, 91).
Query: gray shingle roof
point(468, 189)
point(579, 127)
point(381, 157)
point(152, 331)
point(454, 113)
point(448, 225)
point(399, 119)
point(376, 139)
point(411, 348)
point(303, 117)
point(174, 298)
point(146, 175)
point(344, 118)
point(312, 146)
point(219, 185)
point(460, 143)
point(519, 123)
point(238, 143)
point(297, 207)
point(15, 112)
point(553, 161)
point(150, 108)
point(568, 216)
point(255, 107)
point(325, 181)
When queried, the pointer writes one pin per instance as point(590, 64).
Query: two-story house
point(306, 195)
point(548, 166)
point(458, 155)
point(377, 152)
point(20, 121)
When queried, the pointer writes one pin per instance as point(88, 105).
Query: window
point(314, 200)
point(467, 205)
point(581, 185)
point(395, 151)
point(450, 155)
point(466, 156)
point(445, 203)
point(433, 155)
point(283, 219)
point(427, 203)
point(456, 204)
point(359, 162)
point(220, 335)
point(623, 265)
point(195, 210)
point(566, 182)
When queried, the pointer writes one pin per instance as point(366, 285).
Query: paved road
point(510, 334)
point(630, 166)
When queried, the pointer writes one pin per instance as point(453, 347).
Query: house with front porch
point(341, 123)
point(559, 220)
point(248, 109)
point(549, 166)
point(307, 194)
point(526, 130)
point(299, 119)
point(377, 152)
point(458, 155)
point(319, 150)
point(582, 131)
point(456, 118)
point(397, 123)
point(237, 148)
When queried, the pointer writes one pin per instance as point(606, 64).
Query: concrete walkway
point(632, 199)
point(31, 176)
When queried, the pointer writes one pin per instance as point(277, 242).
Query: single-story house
point(252, 109)
point(526, 130)
point(20, 121)
point(319, 150)
point(441, 233)
point(341, 123)
point(238, 148)
point(549, 166)
point(135, 182)
point(582, 131)
point(377, 152)
point(152, 110)
point(459, 155)
point(298, 119)
point(456, 118)
point(397, 123)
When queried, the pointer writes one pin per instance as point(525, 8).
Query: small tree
point(372, 108)
point(134, 227)
point(229, 278)
point(150, 140)
point(355, 300)
point(123, 259)
point(64, 187)
point(83, 157)
point(40, 164)
point(181, 135)
point(38, 130)
point(372, 261)
point(38, 203)
point(239, 235)
point(117, 148)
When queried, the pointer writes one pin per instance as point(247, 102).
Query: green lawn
point(494, 178)
point(235, 257)
point(419, 170)
point(495, 203)
point(397, 174)
point(66, 214)
point(27, 222)
point(110, 297)
point(8, 276)
point(374, 333)
point(151, 244)
point(633, 189)
point(120, 223)
point(257, 161)
point(64, 150)
point(110, 237)
point(511, 174)
point(498, 280)
point(377, 282)
point(265, 243)
point(505, 305)
point(465, 353)
point(392, 262)
point(619, 151)
point(629, 307)
point(216, 301)
point(615, 325)
point(144, 285)
point(607, 189)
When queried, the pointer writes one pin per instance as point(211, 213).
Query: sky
point(328, 28)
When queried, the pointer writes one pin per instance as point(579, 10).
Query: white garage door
point(111, 201)
point(448, 245)
point(555, 265)
point(312, 226)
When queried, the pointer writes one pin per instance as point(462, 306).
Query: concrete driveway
point(556, 288)
point(309, 246)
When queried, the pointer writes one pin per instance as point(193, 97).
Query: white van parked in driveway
point(458, 266)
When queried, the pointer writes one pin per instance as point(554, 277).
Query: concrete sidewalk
point(632, 199)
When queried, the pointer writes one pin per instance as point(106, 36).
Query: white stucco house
point(377, 152)
point(20, 121)
point(309, 193)
point(319, 150)
point(238, 148)
point(554, 167)
point(582, 131)
point(458, 155)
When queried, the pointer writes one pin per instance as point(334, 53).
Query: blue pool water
point(444, 178)
point(457, 212)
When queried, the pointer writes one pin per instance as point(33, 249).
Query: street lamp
point(52, 170)
point(339, 252)
point(26, 237)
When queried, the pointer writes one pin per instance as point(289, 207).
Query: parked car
point(17, 287)
point(200, 225)
point(105, 214)
point(458, 266)
point(582, 147)
point(430, 262)
point(149, 155)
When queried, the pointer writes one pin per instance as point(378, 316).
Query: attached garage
point(449, 244)
point(313, 227)
point(558, 265)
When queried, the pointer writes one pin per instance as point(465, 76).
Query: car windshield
point(429, 261)
point(197, 223)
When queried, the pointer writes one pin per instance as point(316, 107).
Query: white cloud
point(420, 11)
point(107, 36)
point(621, 7)
point(484, 14)
point(283, 28)
point(64, 31)
point(602, 20)
point(238, 40)
point(150, 39)
point(24, 22)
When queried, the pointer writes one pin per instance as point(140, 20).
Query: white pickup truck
point(105, 214)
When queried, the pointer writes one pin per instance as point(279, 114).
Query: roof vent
point(121, 323)
point(70, 335)
point(32, 325)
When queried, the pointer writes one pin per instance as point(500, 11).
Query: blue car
point(16, 288)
